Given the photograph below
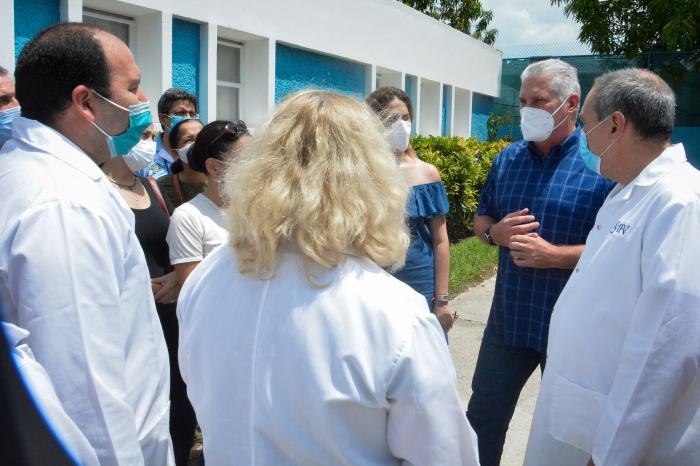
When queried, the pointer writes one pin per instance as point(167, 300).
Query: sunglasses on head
point(232, 130)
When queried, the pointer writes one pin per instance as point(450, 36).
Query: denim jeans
point(500, 374)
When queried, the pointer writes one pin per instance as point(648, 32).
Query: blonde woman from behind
point(296, 346)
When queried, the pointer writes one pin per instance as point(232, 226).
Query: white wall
point(430, 108)
point(462, 113)
point(391, 39)
point(385, 33)
point(387, 77)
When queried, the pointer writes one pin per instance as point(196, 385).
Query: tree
point(632, 27)
point(467, 16)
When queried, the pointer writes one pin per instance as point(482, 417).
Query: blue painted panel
point(446, 109)
point(410, 89)
point(186, 44)
point(297, 69)
point(31, 16)
point(690, 137)
point(481, 107)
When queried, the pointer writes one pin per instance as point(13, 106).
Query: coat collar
point(662, 165)
point(49, 141)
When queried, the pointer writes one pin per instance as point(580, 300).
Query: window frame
point(230, 84)
point(116, 18)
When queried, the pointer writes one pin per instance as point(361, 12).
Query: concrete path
point(465, 337)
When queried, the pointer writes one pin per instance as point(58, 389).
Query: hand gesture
point(165, 288)
point(515, 223)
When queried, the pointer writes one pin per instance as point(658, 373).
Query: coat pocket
point(575, 413)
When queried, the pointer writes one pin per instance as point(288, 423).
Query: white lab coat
point(353, 373)
point(73, 274)
point(622, 382)
point(43, 394)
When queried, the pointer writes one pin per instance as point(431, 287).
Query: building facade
point(241, 57)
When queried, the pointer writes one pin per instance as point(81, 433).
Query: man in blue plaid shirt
point(538, 204)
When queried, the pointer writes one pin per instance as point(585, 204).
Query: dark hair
point(55, 62)
point(172, 95)
point(214, 141)
point(3, 72)
point(174, 140)
point(380, 99)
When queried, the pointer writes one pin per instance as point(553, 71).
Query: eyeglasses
point(233, 130)
point(182, 114)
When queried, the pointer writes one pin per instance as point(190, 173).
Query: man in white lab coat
point(622, 383)
point(72, 272)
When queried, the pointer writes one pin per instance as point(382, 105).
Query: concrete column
point(71, 11)
point(154, 49)
point(462, 113)
point(257, 98)
point(207, 65)
point(417, 106)
point(370, 78)
point(7, 35)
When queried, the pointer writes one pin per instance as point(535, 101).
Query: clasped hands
point(515, 231)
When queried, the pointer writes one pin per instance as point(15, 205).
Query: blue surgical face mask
point(139, 120)
point(6, 118)
point(591, 158)
point(175, 119)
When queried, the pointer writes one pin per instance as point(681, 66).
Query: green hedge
point(463, 165)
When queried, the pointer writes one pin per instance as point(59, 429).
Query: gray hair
point(645, 99)
point(564, 79)
point(3, 72)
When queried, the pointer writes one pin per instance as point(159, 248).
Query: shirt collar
point(560, 150)
point(669, 159)
point(50, 141)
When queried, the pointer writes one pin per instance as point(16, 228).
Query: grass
point(471, 261)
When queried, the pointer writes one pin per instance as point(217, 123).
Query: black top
point(151, 229)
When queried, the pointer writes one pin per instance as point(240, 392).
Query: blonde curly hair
point(319, 175)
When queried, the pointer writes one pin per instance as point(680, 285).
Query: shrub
point(463, 165)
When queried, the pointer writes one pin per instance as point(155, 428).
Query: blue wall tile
point(481, 107)
point(31, 16)
point(186, 44)
point(297, 69)
point(446, 109)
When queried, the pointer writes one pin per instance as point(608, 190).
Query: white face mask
point(537, 124)
point(182, 153)
point(141, 155)
point(399, 134)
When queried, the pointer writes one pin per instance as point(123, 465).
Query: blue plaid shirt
point(564, 196)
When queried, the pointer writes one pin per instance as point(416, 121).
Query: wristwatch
point(488, 237)
point(441, 298)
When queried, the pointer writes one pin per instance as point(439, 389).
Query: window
point(119, 25)
point(228, 80)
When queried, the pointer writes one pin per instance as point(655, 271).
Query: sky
point(526, 27)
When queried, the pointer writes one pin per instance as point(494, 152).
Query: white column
point(258, 81)
point(154, 52)
point(207, 65)
point(462, 112)
point(451, 112)
point(469, 112)
point(403, 82)
point(71, 11)
point(370, 78)
point(7, 35)
point(417, 105)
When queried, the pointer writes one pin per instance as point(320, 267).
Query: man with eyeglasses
point(174, 106)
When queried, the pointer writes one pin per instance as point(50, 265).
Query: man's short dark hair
point(55, 62)
point(172, 95)
point(3, 72)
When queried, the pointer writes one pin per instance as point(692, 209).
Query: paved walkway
point(465, 337)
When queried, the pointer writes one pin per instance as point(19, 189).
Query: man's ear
point(575, 101)
point(85, 102)
point(619, 122)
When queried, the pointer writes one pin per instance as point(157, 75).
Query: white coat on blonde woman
point(337, 364)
